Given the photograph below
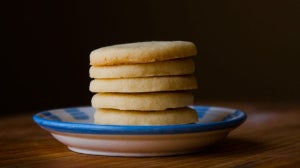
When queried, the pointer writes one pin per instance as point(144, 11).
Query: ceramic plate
point(75, 128)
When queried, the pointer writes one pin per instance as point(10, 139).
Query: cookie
point(142, 52)
point(149, 84)
point(129, 117)
point(162, 68)
point(142, 101)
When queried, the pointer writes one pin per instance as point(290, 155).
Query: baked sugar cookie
point(142, 101)
point(129, 117)
point(143, 83)
point(142, 52)
point(149, 84)
point(162, 68)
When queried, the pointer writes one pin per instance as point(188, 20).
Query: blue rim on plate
point(52, 122)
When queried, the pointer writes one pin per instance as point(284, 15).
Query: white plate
point(75, 128)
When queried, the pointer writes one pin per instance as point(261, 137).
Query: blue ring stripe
point(84, 128)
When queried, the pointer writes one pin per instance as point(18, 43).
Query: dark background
point(248, 50)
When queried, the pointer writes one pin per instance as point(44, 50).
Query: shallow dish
point(75, 128)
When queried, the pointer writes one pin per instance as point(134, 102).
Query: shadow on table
point(234, 146)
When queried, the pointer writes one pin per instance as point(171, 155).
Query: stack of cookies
point(143, 83)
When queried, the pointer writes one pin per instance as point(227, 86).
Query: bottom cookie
point(128, 117)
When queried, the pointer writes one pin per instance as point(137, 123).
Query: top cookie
point(142, 52)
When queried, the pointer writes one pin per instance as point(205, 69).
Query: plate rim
point(90, 128)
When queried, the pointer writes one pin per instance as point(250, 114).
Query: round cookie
point(142, 101)
point(162, 68)
point(165, 117)
point(142, 52)
point(149, 84)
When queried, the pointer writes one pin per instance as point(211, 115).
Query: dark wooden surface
point(270, 137)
